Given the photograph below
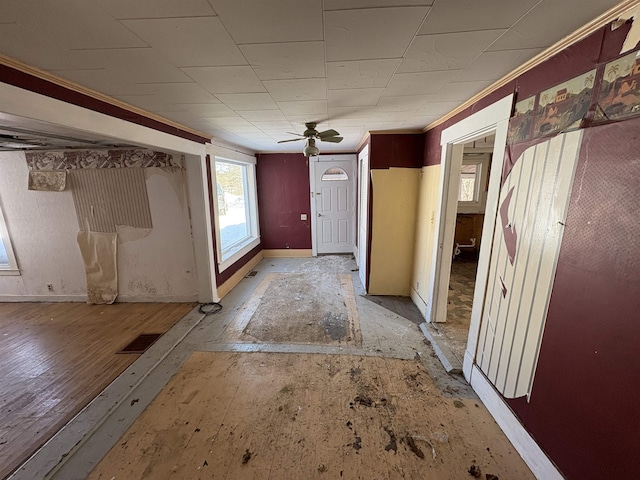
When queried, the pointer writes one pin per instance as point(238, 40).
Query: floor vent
point(141, 343)
point(252, 273)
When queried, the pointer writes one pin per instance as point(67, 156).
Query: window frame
point(12, 268)
point(241, 247)
point(480, 186)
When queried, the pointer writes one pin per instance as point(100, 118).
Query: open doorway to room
point(473, 185)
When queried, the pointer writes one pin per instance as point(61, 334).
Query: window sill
point(9, 272)
point(238, 252)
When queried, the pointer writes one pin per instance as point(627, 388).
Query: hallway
point(351, 390)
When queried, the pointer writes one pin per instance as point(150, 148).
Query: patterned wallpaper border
point(92, 159)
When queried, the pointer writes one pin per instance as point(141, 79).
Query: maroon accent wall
point(396, 150)
point(583, 409)
point(584, 406)
point(222, 277)
point(284, 194)
point(34, 84)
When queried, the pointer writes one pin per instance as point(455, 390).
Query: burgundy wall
point(283, 194)
point(583, 409)
point(396, 150)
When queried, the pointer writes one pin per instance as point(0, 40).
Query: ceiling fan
point(311, 135)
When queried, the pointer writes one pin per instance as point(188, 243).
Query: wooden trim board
point(237, 277)
point(287, 253)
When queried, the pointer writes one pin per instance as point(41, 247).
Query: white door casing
point(363, 213)
point(333, 196)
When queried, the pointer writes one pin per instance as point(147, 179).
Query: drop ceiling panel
point(225, 122)
point(248, 101)
point(371, 33)
point(354, 97)
point(208, 110)
point(226, 79)
point(179, 92)
point(189, 42)
point(278, 61)
point(404, 103)
point(278, 126)
point(123, 9)
point(419, 83)
point(493, 65)
point(469, 15)
point(353, 4)
point(360, 73)
point(436, 108)
point(446, 51)
point(263, 115)
point(539, 29)
point(300, 89)
point(267, 21)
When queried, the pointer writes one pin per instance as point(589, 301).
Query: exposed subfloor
point(454, 332)
point(351, 391)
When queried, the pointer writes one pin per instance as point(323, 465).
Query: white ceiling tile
point(347, 123)
point(404, 103)
point(494, 65)
point(189, 42)
point(354, 97)
point(179, 92)
point(151, 103)
point(347, 113)
point(309, 107)
point(437, 108)
point(300, 89)
point(279, 125)
point(260, 22)
point(122, 9)
point(469, 15)
point(226, 79)
point(243, 129)
point(418, 83)
point(278, 61)
point(263, 115)
point(353, 4)
point(371, 33)
point(108, 82)
point(208, 110)
point(539, 29)
point(226, 122)
point(360, 73)
point(71, 24)
point(248, 101)
point(419, 122)
point(446, 51)
point(460, 89)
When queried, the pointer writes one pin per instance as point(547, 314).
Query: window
point(334, 174)
point(8, 264)
point(473, 183)
point(236, 206)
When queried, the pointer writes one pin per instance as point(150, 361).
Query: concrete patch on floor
point(272, 416)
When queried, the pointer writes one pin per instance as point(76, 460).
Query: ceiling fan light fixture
point(310, 148)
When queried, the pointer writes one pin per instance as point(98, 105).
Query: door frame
point(362, 225)
point(312, 194)
point(492, 119)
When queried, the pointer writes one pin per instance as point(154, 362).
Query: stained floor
point(223, 404)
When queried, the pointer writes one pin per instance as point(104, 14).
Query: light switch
point(303, 216)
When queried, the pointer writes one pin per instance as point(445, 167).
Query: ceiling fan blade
point(298, 134)
point(327, 133)
point(332, 139)
point(292, 140)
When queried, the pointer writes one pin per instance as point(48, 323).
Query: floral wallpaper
point(79, 159)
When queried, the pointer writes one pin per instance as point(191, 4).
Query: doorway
point(333, 180)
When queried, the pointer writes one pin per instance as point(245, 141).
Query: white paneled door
point(334, 194)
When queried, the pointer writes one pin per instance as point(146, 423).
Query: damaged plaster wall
point(155, 265)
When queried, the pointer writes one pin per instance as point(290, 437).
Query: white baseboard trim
point(193, 298)
point(526, 446)
point(43, 298)
point(418, 301)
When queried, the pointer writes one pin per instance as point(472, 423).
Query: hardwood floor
point(55, 358)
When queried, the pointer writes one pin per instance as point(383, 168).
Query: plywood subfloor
point(55, 358)
point(280, 416)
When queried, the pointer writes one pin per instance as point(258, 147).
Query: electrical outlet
point(50, 287)
point(303, 216)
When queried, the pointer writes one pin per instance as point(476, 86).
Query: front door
point(334, 196)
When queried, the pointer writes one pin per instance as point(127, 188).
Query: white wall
point(43, 228)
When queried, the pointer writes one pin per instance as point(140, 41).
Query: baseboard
point(43, 298)
point(237, 277)
point(288, 253)
point(526, 446)
point(193, 298)
point(417, 300)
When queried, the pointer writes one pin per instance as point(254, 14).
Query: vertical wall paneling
point(532, 210)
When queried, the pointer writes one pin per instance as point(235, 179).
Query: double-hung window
point(8, 264)
point(472, 189)
point(236, 208)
